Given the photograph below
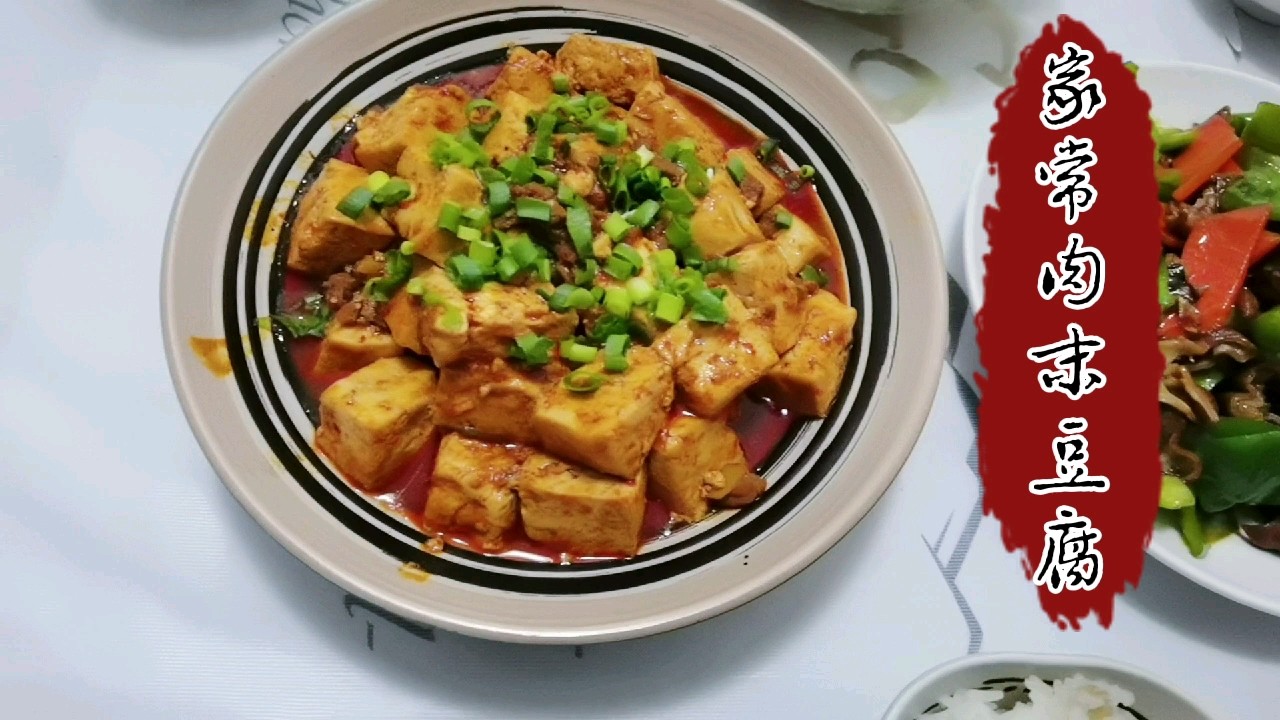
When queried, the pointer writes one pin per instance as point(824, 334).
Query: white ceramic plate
point(1152, 697)
point(1181, 94)
point(219, 276)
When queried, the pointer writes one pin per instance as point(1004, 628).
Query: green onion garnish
point(507, 269)
point(665, 261)
point(465, 273)
point(542, 268)
point(644, 155)
point(615, 353)
point(768, 148)
point(484, 253)
point(568, 297)
point(738, 169)
point(576, 352)
point(617, 267)
point(490, 175)
point(533, 209)
point(587, 275)
point(669, 309)
point(376, 180)
point(453, 320)
point(499, 197)
point(356, 202)
point(617, 301)
point(678, 201)
point(673, 149)
point(519, 169)
point(611, 132)
point(415, 286)
point(450, 217)
point(640, 290)
point(392, 192)
point(807, 171)
point(814, 275)
point(581, 381)
point(482, 115)
point(708, 307)
point(468, 233)
point(679, 232)
point(408, 247)
point(560, 83)
point(630, 254)
point(578, 219)
point(523, 251)
point(616, 226)
point(532, 349)
point(546, 177)
point(726, 265)
point(784, 219)
point(644, 215)
point(690, 280)
point(566, 195)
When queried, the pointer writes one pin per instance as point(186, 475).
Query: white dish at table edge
point(1154, 698)
point(192, 291)
point(1181, 94)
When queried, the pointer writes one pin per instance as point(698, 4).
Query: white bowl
point(221, 271)
point(1181, 94)
point(877, 7)
point(1267, 11)
point(1152, 697)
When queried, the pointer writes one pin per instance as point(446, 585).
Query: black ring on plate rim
point(550, 579)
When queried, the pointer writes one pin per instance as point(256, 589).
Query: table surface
point(139, 588)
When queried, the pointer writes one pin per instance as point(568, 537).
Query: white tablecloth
point(136, 587)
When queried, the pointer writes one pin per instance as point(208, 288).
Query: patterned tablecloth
point(137, 587)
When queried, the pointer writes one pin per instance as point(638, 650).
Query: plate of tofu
point(553, 324)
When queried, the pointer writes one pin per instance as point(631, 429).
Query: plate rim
point(1165, 545)
point(914, 412)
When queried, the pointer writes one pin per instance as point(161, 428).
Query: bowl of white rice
point(1042, 687)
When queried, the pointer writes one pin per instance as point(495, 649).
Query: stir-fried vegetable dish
point(1220, 290)
point(551, 293)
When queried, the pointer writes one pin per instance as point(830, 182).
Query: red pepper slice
point(1171, 327)
point(1267, 242)
point(1230, 168)
point(1214, 145)
point(1216, 258)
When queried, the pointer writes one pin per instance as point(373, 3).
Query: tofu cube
point(808, 377)
point(611, 429)
point(418, 219)
point(584, 512)
point(658, 117)
point(801, 245)
point(411, 121)
point(346, 348)
point(761, 188)
point(766, 287)
point(614, 69)
point(724, 360)
point(693, 463)
point(527, 73)
point(423, 324)
point(722, 222)
point(510, 135)
point(498, 314)
point(324, 240)
point(473, 489)
point(376, 419)
point(493, 399)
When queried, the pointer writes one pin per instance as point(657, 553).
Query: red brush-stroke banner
point(1020, 420)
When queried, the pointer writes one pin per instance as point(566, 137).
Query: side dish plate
point(221, 262)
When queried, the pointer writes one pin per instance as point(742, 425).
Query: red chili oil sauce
point(759, 424)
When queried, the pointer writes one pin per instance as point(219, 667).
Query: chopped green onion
point(546, 177)
point(697, 182)
point(670, 308)
point(408, 247)
point(576, 352)
point(523, 251)
point(678, 201)
point(708, 307)
point(597, 293)
point(532, 349)
point(738, 169)
point(542, 268)
point(578, 220)
point(630, 254)
point(768, 148)
point(356, 202)
point(454, 320)
point(616, 226)
point(566, 195)
point(507, 269)
point(449, 150)
point(611, 132)
point(640, 290)
point(617, 301)
point(468, 233)
point(690, 281)
point(484, 253)
point(465, 273)
point(645, 155)
point(726, 265)
point(807, 171)
point(597, 102)
point(560, 83)
point(664, 261)
point(814, 275)
point(673, 149)
point(680, 232)
point(490, 175)
point(619, 268)
point(392, 192)
point(615, 353)
point(450, 217)
point(784, 219)
point(644, 215)
point(545, 126)
point(376, 180)
point(499, 197)
point(587, 275)
point(581, 381)
point(519, 169)
point(533, 209)
point(568, 297)
point(415, 286)
point(482, 115)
